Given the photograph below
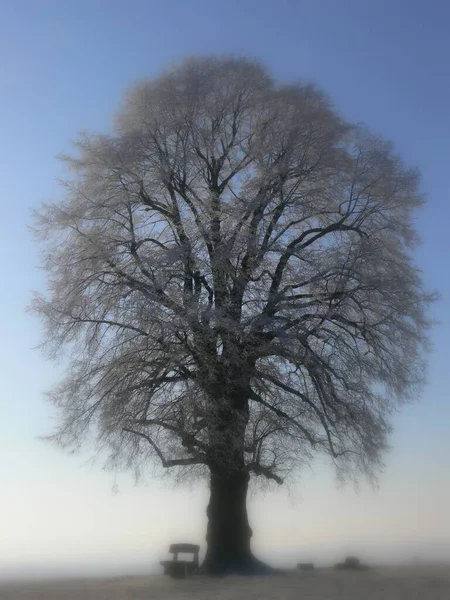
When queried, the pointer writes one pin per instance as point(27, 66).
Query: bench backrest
point(185, 549)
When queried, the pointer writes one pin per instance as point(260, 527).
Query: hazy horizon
point(65, 67)
point(372, 554)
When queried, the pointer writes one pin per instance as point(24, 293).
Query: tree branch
point(176, 462)
point(281, 413)
point(258, 469)
point(187, 437)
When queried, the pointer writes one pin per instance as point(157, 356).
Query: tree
point(231, 274)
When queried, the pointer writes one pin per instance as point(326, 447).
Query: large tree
point(231, 273)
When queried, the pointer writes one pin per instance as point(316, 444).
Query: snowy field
point(408, 583)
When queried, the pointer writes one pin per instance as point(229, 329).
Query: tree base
point(250, 566)
point(228, 535)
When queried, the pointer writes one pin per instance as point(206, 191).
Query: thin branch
point(281, 413)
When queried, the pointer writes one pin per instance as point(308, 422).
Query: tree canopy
point(231, 272)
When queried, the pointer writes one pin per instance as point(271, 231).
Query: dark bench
point(180, 568)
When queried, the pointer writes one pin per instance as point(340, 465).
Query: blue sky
point(63, 68)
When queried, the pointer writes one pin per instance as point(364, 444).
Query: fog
point(372, 554)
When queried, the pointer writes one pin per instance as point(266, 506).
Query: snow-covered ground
point(389, 583)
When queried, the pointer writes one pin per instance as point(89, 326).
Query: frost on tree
point(230, 273)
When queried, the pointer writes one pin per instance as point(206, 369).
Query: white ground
point(411, 583)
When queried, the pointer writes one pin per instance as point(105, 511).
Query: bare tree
point(230, 272)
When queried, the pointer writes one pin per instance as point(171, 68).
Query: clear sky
point(64, 66)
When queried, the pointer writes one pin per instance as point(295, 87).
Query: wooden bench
point(180, 568)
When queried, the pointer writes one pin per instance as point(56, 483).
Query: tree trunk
point(229, 533)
